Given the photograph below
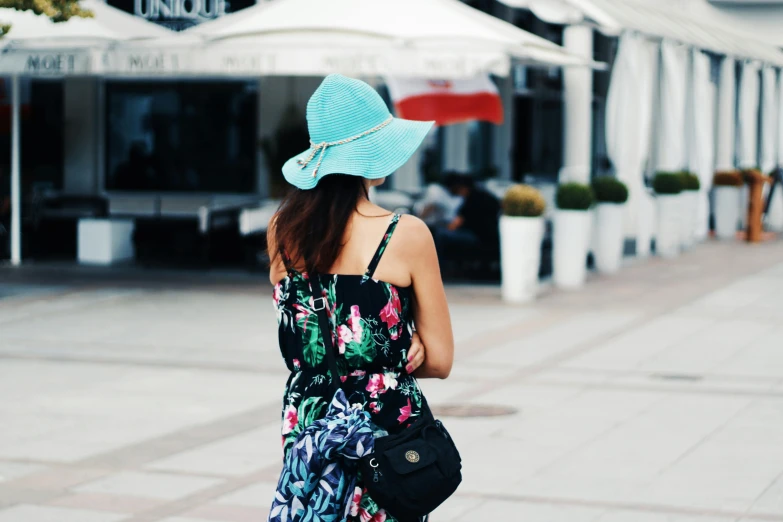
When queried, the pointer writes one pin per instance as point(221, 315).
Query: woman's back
point(371, 327)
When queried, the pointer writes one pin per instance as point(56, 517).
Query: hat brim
point(374, 156)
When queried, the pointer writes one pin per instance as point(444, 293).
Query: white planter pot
point(646, 219)
point(743, 206)
point(668, 238)
point(569, 248)
point(727, 212)
point(608, 250)
point(520, 257)
point(774, 221)
point(689, 207)
point(702, 229)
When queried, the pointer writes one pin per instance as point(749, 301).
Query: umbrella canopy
point(423, 38)
point(694, 23)
point(37, 46)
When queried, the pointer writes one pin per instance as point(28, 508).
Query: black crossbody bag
point(412, 472)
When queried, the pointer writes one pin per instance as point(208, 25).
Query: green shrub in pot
point(571, 234)
point(690, 181)
point(607, 189)
point(668, 183)
point(523, 201)
point(521, 234)
point(574, 196)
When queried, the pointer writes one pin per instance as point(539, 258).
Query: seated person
point(438, 206)
point(476, 224)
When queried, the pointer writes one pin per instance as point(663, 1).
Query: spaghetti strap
point(382, 247)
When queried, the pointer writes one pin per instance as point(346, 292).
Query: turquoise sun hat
point(352, 132)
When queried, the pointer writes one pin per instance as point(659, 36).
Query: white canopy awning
point(424, 38)
point(36, 46)
point(699, 25)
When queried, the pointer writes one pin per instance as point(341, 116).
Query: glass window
point(538, 136)
point(181, 136)
point(480, 158)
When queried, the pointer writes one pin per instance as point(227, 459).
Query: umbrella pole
point(16, 192)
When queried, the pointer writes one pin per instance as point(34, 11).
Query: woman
point(379, 270)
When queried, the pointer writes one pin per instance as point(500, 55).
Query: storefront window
point(480, 158)
point(538, 109)
point(538, 136)
point(181, 136)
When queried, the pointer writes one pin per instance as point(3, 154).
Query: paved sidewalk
point(652, 396)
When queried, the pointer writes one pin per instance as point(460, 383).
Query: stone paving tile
point(183, 519)
point(257, 495)
point(632, 348)
point(491, 510)
point(228, 513)
point(25, 513)
point(91, 409)
point(151, 485)
point(771, 501)
point(636, 516)
point(556, 340)
point(59, 478)
point(107, 502)
point(706, 350)
point(455, 507)
point(14, 470)
point(237, 455)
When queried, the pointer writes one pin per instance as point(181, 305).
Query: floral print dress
point(371, 327)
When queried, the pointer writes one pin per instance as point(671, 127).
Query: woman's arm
point(430, 309)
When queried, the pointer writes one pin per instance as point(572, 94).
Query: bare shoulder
point(414, 232)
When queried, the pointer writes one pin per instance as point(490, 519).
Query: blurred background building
point(200, 157)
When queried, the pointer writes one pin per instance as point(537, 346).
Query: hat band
point(326, 144)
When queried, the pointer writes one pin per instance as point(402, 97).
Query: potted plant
point(689, 199)
point(668, 187)
point(571, 234)
point(727, 190)
point(610, 196)
point(521, 233)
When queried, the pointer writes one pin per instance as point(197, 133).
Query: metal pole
point(16, 192)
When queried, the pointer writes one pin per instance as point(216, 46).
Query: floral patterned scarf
point(318, 481)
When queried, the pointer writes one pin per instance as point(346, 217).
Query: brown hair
point(310, 224)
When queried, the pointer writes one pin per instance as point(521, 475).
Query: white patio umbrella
point(442, 39)
point(629, 126)
point(36, 46)
point(701, 129)
point(672, 154)
point(748, 122)
point(768, 154)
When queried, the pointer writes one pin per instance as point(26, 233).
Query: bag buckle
point(319, 304)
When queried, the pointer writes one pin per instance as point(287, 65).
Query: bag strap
point(319, 305)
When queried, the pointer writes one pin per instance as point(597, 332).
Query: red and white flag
point(448, 101)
